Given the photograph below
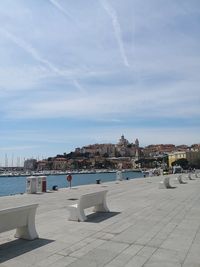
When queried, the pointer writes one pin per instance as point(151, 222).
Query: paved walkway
point(147, 226)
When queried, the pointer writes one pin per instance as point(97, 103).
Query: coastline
point(54, 172)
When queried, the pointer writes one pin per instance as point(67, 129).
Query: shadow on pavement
point(14, 248)
point(100, 216)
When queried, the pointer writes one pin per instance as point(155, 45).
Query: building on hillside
point(182, 148)
point(121, 162)
point(123, 142)
point(195, 147)
point(42, 165)
point(97, 149)
point(126, 149)
point(60, 164)
point(30, 164)
point(152, 150)
point(101, 151)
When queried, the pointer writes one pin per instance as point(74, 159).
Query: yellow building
point(193, 157)
point(175, 156)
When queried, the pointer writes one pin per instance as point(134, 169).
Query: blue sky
point(76, 72)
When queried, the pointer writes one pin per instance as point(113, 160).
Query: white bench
point(190, 176)
point(180, 180)
point(165, 183)
point(95, 199)
point(196, 175)
point(20, 218)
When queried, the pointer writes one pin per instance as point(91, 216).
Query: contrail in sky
point(78, 86)
point(60, 8)
point(117, 29)
point(34, 53)
point(29, 49)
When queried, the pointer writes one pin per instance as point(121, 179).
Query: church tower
point(137, 143)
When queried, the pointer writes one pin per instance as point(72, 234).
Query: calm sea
point(17, 185)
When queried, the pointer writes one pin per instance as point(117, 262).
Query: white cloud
point(122, 104)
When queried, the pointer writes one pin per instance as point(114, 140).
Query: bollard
point(55, 187)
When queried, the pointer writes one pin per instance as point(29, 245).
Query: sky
point(74, 73)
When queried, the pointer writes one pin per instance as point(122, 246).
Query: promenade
point(147, 226)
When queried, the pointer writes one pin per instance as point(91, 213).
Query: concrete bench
point(190, 176)
point(179, 179)
point(196, 175)
point(20, 218)
point(165, 183)
point(95, 199)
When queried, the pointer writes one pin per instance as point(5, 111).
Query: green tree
point(181, 162)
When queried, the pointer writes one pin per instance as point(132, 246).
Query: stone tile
point(137, 261)
point(53, 259)
point(163, 264)
point(167, 256)
point(63, 262)
point(101, 255)
point(125, 256)
point(84, 250)
point(146, 252)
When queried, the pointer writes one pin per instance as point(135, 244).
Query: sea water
point(17, 185)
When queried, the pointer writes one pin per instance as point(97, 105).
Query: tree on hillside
point(181, 162)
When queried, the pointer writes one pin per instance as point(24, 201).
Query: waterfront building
point(193, 157)
point(175, 156)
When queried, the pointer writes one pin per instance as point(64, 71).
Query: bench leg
point(101, 207)
point(81, 215)
point(73, 215)
point(76, 214)
point(28, 232)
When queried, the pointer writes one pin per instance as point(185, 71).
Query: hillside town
point(122, 155)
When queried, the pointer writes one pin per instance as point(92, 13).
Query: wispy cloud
point(60, 8)
point(106, 105)
point(39, 58)
point(30, 50)
point(117, 29)
point(79, 87)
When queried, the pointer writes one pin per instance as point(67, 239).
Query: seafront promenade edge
point(147, 226)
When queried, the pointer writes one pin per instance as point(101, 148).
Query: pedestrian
point(69, 179)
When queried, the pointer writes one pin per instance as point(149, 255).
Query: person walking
point(69, 179)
